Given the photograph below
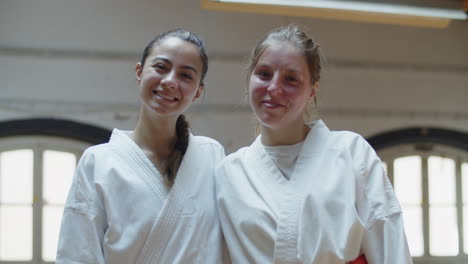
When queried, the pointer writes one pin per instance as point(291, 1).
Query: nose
point(274, 86)
point(169, 81)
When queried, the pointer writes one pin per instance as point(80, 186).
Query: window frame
point(427, 142)
point(40, 135)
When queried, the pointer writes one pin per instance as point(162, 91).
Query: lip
point(165, 97)
point(271, 104)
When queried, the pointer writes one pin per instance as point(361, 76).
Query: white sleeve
point(385, 242)
point(83, 222)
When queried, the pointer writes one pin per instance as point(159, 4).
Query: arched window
point(37, 161)
point(429, 172)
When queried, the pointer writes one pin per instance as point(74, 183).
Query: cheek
point(296, 93)
point(301, 102)
point(256, 88)
point(150, 79)
point(189, 89)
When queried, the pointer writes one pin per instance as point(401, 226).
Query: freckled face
point(280, 87)
point(170, 78)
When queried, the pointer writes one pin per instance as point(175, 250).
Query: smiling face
point(170, 78)
point(280, 87)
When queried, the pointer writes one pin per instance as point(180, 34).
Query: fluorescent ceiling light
point(362, 6)
point(344, 10)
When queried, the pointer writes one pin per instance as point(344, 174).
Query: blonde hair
point(312, 53)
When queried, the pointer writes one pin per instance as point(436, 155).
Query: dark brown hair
point(182, 127)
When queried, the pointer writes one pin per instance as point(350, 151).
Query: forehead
point(284, 55)
point(177, 51)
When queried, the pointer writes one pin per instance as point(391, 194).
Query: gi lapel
point(142, 167)
point(283, 197)
point(282, 200)
point(306, 167)
point(310, 161)
point(164, 226)
point(265, 176)
point(312, 153)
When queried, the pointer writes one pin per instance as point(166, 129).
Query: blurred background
point(396, 72)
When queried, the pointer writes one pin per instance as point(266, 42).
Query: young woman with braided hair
point(147, 196)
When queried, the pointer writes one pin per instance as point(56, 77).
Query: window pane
point(16, 169)
point(407, 179)
point(441, 181)
point(465, 205)
point(465, 184)
point(465, 226)
point(58, 173)
point(16, 233)
point(52, 216)
point(412, 217)
point(443, 231)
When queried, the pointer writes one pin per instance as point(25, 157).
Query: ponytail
point(177, 154)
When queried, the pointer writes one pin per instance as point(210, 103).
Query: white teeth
point(270, 104)
point(166, 97)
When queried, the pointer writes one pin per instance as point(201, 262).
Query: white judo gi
point(120, 211)
point(337, 204)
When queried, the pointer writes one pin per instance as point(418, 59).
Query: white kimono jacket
point(120, 211)
point(337, 205)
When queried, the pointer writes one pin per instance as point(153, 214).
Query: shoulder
point(343, 140)
point(96, 152)
point(351, 142)
point(106, 151)
point(96, 161)
point(207, 147)
point(205, 142)
point(92, 158)
point(349, 137)
point(359, 149)
point(231, 170)
point(236, 157)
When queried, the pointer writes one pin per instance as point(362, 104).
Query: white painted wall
point(75, 60)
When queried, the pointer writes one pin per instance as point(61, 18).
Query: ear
point(315, 88)
point(138, 70)
point(199, 92)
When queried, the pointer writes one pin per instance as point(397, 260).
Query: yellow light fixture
point(384, 13)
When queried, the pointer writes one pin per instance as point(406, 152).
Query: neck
point(289, 135)
point(155, 135)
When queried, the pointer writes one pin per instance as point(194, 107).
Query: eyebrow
point(188, 67)
point(289, 70)
point(294, 71)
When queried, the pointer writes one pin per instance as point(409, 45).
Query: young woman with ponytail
point(147, 196)
point(301, 193)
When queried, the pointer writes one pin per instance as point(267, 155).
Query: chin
point(270, 124)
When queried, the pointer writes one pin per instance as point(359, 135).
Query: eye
point(160, 67)
point(187, 76)
point(292, 79)
point(264, 74)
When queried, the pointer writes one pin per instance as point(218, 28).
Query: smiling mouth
point(270, 104)
point(164, 97)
